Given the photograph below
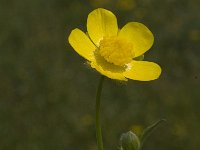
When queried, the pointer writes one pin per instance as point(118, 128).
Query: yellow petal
point(140, 36)
point(107, 69)
point(82, 44)
point(143, 71)
point(100, 23)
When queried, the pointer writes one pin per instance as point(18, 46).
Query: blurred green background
point(47, 92)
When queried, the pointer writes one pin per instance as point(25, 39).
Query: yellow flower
point(112, 51)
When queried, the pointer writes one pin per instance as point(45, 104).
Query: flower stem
point(98, 122)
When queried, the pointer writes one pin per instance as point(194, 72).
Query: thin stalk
point(98, 121)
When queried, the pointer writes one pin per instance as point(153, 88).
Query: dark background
point(47, 91)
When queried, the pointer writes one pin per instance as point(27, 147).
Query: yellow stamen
point(116, 50)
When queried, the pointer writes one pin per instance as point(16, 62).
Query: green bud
point(129, 141)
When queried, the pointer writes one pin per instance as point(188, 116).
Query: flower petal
point(143, 71)
point(82, 44)
point(100, 23)
point(107, 69)
point(139, 35)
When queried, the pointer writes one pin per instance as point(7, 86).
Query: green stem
point(98, 122)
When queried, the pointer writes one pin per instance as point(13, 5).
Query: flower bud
point(129, 141)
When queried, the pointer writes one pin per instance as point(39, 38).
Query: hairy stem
point(98, 121)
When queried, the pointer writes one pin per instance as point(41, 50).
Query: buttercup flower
point(112, 51)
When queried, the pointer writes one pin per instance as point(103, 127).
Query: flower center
point(116, 50)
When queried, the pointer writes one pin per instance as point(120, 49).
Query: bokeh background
point(47, 91)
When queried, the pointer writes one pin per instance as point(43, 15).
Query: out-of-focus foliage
point(47, 91)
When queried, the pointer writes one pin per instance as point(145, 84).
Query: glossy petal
point(82, 44)
point(139, 35)
point(100, 23)
point(143, 71)
point(108, 69)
